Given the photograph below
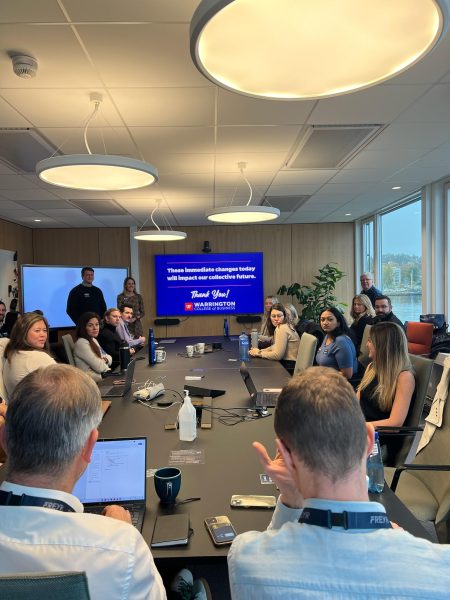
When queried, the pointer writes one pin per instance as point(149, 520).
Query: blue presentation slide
point(47, 288)
point(200, 284)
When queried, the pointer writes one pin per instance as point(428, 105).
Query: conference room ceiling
point(159, 108)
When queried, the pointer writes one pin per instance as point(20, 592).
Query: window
point(368, 245)
point(401, 260)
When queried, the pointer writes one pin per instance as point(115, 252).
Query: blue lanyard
point(345, 519)
point(10, 499)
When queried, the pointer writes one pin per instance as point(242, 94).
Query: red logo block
point(188, 306)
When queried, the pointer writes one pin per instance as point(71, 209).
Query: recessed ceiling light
point(397, 187)
point(37, 220)
point(348, 214)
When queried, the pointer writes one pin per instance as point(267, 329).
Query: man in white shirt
point(126, 315)
point(50, 432)
point(326, 540)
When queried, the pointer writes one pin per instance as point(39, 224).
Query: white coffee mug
point(200, 348)
point(160, 355)
point(190, 351)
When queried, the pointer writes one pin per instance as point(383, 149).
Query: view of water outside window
point(401, 260)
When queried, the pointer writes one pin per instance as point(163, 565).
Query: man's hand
point(277, 470)
point(117, 512)
point(142, 339)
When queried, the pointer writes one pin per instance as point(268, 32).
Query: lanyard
point(345, 519)
point(10, 499)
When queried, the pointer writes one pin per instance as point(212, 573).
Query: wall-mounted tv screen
point(47, 287)
point(209, 284)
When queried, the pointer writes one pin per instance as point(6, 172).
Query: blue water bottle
point(225, 328)
point(375, 469)
point(151, 347)
point(243, 347)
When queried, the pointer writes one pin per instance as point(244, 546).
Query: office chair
point(68, 347)
point(424, 484)
point(399, 439)
point(3, 393)
point(363, 357)
point(420, 338)
point(44, 586)
point(306, 352)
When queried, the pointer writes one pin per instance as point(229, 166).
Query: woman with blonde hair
point(362, 313)
point(27, 349)
point(291, 314)
point(387, 387)
point(130, 296)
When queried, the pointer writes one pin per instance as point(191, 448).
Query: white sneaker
point(182, 583)
point(200, 590)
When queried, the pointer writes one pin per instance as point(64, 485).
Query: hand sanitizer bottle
point(187, 420)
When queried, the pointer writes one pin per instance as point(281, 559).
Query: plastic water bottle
point(243, 347)
point(225, 328)
point(375, 470)
point(255, 338)
point(151, 347)
point(187, 420)
point(124, 355)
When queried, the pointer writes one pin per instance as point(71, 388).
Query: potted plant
point(319, 294)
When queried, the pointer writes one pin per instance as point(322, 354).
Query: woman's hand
point(254, 352)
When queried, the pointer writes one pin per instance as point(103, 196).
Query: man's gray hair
point(367, 274)
point(50, 415)
point(320, 420)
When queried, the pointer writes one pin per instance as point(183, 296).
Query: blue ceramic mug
point(167, 484)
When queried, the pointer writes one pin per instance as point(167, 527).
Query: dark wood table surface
point(230, 464)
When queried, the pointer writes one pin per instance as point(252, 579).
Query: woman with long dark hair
point(88, 354)
point(337, 349)
point(27, 349)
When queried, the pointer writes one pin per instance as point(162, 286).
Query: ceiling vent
point(99, 208)
point(21, 148)
point(286, 204)
point(331, 146)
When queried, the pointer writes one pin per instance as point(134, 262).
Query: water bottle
point(187, 420)
point(225, 328)
point(151, 347)
point(375, 470)
point(243, 347)
point(124, 355)
point(255, 338)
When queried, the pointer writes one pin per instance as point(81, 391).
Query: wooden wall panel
point(114, 247)
point(66, 246)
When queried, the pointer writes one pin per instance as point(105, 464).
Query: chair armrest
point(399, 471)
point(394, 430)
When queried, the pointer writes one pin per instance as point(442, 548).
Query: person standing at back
point(85, 297)
point(368, 288)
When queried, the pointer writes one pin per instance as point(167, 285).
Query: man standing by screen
point(85, 297)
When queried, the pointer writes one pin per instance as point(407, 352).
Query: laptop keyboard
point(136, 512)
point(117, 390)
point(267, 398)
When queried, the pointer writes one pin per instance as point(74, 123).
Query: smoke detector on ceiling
point(24, 66)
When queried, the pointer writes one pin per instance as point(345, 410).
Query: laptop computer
point(117, 391)
point(115, 475)
point(260, 399)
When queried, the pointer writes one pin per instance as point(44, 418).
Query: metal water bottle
point(225, 328)
point(124, 355)
point(151, 347)
point(255, 338)
point(375, 469)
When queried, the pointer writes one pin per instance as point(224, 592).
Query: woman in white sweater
point(285, 340)
point(27, 349)
point(88, 354)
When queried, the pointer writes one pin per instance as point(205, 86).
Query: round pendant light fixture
point(97, 172)
point(243, 214)
point(157, 234)
point(305, 49)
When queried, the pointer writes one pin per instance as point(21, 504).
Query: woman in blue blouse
point(337, 350)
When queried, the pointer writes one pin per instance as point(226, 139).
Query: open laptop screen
point(116, 473)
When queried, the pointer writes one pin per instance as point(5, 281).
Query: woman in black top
point(362, 313)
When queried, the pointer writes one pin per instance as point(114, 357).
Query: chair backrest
point(420, 337)
point(401, 445)
point(44, 586)
point(68, 347)
point(363, 357)
point(437, 452)
point(306, 352)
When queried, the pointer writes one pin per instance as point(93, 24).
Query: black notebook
point(171, 530)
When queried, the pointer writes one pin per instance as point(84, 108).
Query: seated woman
point(108, 338)
point(388, 384)
point(285, 340)
point(362, 313)
point(291, 315)
point(87, 352)
point(337, 350)
point(27, 349)
point(264, 335)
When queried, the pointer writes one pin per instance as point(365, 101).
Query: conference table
point(221, 461)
